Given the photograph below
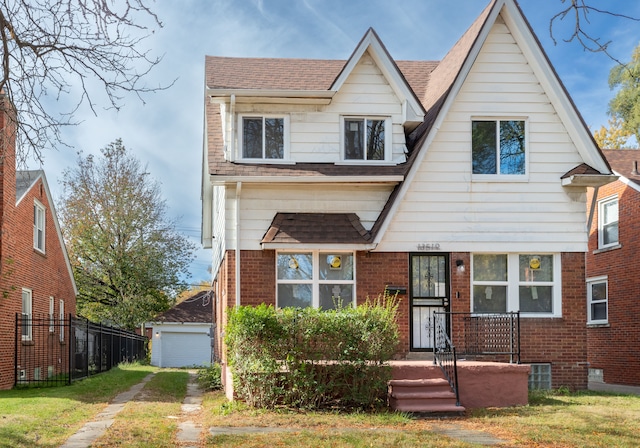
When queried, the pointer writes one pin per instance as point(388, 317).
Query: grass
point(46, 417)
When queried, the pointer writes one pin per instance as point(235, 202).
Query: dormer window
point(263, 137)
point(365, 138)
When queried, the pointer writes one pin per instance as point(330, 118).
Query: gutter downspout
point(594, 199)
point(232, 136)
point(238, 191)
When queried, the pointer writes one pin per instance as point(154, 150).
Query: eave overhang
point(218, 180)
point(272, 95)
point(588, 180)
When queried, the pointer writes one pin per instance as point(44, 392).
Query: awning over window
point(342, 229)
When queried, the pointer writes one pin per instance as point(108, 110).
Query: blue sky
point(166, 131)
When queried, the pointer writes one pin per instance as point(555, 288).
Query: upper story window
point(597, 300)
point(61, 320)
point(318, 279)
point(365, 138)
point(608, 222)
point(529, 283)
point(263, 137)
point(38, 226)
point(498, 147)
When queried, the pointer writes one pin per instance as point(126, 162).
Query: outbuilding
point(181, 335)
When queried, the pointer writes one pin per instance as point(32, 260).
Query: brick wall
point(21, 266)
point(561, 342)
point(614, 347)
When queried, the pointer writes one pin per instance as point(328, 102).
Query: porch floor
point(480, 384)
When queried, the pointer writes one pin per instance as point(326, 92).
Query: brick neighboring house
point(613, 305)
point(35, 274)
point(325, 178)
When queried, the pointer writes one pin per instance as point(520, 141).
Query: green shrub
point(309, 358)
point(210, 377)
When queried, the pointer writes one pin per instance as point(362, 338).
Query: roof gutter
point(270, 93)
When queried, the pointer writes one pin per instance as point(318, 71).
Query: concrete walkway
point(188, 431)
point(94, 429)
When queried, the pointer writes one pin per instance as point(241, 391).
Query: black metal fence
point(492, 336)
point(444, 353)
point(52, 351)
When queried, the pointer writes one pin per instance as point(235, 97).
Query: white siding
point(315, 129)
point(260, 203)
point(444, 205)
point(219, 229)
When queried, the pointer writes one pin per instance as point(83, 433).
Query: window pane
point(610, 211)
point(488, 267)
point(598, 291)
point(536, 299)
point(429, 276)
point(599, 311)
point(354, 139)
point(536, 268)
point(336, 266)
point(512, 147)
point(610, 233)
point(489, 299)
point(298, 296)
point(375, 139)
point(295, 266)
point(483, 137)
point(274, 135)
point(252, 138)
point(332, 296)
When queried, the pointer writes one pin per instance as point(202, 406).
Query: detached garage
point(181, 335)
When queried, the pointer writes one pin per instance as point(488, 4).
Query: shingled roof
point(334, 228)
point(196, 309)
point(624, 162)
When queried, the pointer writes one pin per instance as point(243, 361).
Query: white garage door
point(185, 349)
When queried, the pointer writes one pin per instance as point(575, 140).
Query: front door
point(429, 293)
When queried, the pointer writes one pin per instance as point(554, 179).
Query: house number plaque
point(429, 246)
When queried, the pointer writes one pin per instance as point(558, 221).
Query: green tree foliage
point(613, 137)
point(625, 106)
point(128, 259)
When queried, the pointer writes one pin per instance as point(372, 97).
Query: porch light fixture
point(460, 265)
point(157, 334)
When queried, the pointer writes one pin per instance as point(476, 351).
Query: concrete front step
point(429, 408)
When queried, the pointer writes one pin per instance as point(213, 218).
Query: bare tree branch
point(57, 50)
point(579, 11)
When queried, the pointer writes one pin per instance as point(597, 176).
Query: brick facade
point(613, 347)
point(559, 341)
point(21, 266)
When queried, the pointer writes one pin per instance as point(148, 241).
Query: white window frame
point(513, 284)
point(62, 319)
point(601, 222)
point(388, 139)
point(263, 159)
point(39, 226)
point(315, 281)
point(499, 176)
point(597, 280)
point(52, 318)
point(27, 313)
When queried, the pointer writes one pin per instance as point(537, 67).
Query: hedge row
point(309, 358)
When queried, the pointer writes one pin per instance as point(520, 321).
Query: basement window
point(540, 377)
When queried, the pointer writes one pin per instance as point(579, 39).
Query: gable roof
point(196, 309)
point(25, 181)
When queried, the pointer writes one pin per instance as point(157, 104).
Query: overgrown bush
point(210, 377)
point(308, 358)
